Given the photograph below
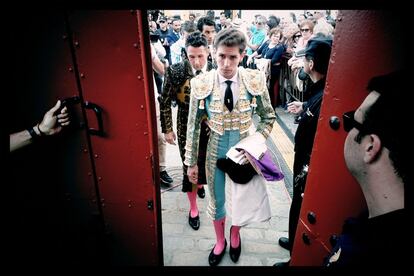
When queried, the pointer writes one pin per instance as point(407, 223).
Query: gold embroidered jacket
point(177, 88)
point(206, 100)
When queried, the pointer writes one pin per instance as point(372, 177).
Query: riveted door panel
point(109, 49)
point(366, 44)
point(52, 177)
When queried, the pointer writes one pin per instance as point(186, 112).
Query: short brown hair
point(231, 37)
point(276, 31)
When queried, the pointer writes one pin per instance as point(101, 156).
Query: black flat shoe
point(194, 222)
point(235, 252)
point(201, 192)
point(284, 242)
point(214, 259)
point(165, 177)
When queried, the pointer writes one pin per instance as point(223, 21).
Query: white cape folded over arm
point(254, 144)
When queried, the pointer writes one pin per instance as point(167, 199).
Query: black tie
point(228, 96)
point(198, 72)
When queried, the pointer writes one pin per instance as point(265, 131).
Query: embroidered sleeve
point(195, 116)
point(266, 114)
point(165, 104)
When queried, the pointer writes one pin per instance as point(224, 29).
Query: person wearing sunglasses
point(163, 32)
point(316, 59)
point(377, 151)
point(258, 32)
point(305, 34)
point(306, 31)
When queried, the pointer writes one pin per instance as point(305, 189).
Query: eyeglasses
point(259, 23)
point(350, 123)
point(304, 30)
point(162, 21)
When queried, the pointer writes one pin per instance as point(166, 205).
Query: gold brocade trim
point(221, 119)
point(216, 106)
point(202, 85)
point(254, 80)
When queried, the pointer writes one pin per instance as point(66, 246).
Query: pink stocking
point(219, 228)
point(192, 197)
point(235, 236)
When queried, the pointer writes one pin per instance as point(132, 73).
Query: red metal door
point(57, 218)
point(366, 44)
point(98, 202)
point(109, 49)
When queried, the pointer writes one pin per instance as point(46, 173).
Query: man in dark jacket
point(377, 152)
point(316, 60)
point(177, 88)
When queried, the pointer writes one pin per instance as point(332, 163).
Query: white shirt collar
point(234, 79)
point(204, 69)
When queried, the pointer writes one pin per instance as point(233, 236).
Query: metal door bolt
point(306, 238)
point(334, 122)
point(312, 217)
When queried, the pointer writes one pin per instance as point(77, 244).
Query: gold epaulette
point(202, 85)
point(254, 80)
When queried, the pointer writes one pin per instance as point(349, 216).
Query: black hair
point(273, 22)
point(196, 39)
point(319, 65)
point(210, 14)
point(175, 18)
point(321, 60)
point(389, 121)
point(189, 27)
point(205, 21)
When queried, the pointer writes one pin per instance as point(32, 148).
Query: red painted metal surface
point(108, 52)
point(77, 185)
point(366, 44)
point(53, 178)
